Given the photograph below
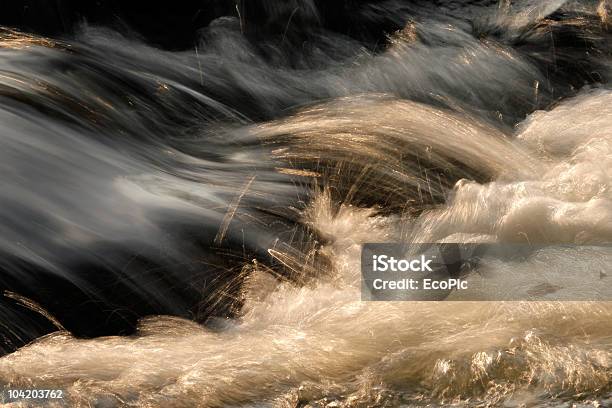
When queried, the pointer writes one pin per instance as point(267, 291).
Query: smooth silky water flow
point(440, 137)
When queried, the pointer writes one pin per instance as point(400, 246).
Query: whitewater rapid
point(305, 343)
point(305, 165)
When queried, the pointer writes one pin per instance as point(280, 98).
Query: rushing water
point(490, 124)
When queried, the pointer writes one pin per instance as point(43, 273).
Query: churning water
point(485, 124)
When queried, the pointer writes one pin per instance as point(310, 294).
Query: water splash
point(402, 152)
